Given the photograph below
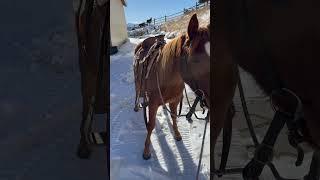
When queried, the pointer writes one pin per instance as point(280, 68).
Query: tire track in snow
point(114, 129)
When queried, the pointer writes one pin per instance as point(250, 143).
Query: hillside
point(180, 24)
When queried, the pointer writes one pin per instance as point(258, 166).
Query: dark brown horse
point(90, 20)
point(195, 70)
point(277, 42)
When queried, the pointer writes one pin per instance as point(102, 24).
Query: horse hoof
point(84, 151)
point(146, 156)
point(136, 109)
point(178, 138)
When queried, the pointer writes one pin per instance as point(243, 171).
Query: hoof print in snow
point(136, 108)
point(146, 156)
point(84, 151)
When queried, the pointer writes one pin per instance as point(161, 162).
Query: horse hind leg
point(84, 149)
point(136, 105)
point(227, 136)
point(173, 107)
point(150, 126)
point(314, 172)
point(219, 118)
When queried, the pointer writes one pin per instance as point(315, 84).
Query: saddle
point(146, 54)
point(143, 48)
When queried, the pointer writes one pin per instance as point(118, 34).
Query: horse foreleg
point(84, 150)
point(180, 105)
point(227, 136)
point(173, 107)
point(136, 105)
point(314, 172)
point(219, 115)
point(151, 124)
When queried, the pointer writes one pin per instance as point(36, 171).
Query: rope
point(202, 146)
point(165, 106)
point(246, 112)
point(163, 103)
point(205, 128)
point(185, 91)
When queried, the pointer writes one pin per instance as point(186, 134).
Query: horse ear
point(193, 26)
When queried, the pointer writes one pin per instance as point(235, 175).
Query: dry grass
point(181, 24)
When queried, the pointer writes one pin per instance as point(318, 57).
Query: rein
point(192, 108)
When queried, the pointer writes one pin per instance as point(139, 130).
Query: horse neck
point(168, 70)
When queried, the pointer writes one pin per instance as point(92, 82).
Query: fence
point(166, 18)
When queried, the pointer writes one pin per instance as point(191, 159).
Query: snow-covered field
point(137, 32)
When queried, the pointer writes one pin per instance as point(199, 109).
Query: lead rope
point(202, 146)
point(205, 128)
point(166, 108)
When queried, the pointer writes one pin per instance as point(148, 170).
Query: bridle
point(200, 95)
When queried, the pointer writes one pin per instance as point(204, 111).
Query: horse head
point(195, 61)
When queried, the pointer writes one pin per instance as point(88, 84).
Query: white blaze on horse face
point(207, 47)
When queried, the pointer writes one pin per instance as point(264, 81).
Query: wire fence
point(167, 18)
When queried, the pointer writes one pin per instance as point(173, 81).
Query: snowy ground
point(148, 29)
point(178, 160)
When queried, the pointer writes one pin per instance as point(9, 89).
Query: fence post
point(196, 5)
point(165, 18)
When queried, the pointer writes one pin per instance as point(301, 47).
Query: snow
point(134, 31)
point(172, 35)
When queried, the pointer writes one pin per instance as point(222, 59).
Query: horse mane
point(171, 51)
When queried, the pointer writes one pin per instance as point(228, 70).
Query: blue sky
point(139, 11)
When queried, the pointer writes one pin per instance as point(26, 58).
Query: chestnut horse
point(277, 42)
point(173, 67)
point(165, 74)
